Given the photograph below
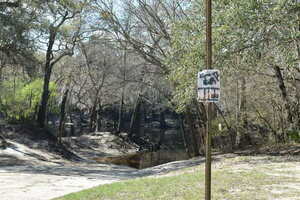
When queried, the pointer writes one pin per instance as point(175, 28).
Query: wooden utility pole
point(208, 14)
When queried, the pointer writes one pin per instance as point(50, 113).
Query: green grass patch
point(227, 183)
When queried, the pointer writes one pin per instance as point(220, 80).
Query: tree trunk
point(184, 136)
point(193, 133)
point(285, 99)
point(98, 118)
point(45, 97)
point(3, 142)
point(163, 126)
point(120, 120)
point(284, 95)
point(135, 119)
point(237, 115)
point(62, 116)
point(81, 115)
point(297, 83)
point(93, 117)
point(72, 131)
point(47, 76)
point(275, 122)
point(244, 135)
point(1, 71)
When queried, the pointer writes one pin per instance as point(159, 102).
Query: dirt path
point(32, 174)
point(44, 182)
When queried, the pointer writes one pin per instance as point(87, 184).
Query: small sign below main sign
point(209, 85)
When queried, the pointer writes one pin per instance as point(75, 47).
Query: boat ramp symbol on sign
point(209, 85)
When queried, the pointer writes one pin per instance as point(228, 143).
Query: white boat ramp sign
point(209, 85)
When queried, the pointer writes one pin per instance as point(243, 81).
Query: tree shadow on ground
point(102, 171)
point(9, 160)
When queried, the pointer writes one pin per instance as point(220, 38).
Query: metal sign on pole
point(209, 85)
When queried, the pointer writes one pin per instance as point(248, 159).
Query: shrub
point(294, 135)
point(20, 100)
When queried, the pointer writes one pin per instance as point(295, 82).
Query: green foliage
point(248, 28)
point(20, 100)
point(294, 135)
point(185, 61)
point(15, 26)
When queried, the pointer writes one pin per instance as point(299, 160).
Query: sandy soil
point(47, 181)
point(44, 182)
point(31, 174)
